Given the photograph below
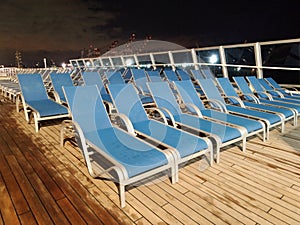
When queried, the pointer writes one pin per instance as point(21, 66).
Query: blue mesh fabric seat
point(91, 78)
point(36, 100)
point(114, 77)
point(272, 95)
point(212, 93)
point(165, 99)
point(170, 75)
point(230, 92)
point(111, 151)
point(59, 80)
point(154, 76)
point(189, 96)
point(186, 145)
point(269, 89)
point(284, 91)
point(183, 74)
point(246, 91)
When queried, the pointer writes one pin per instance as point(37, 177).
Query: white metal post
point(258, 60)
point(223, 61)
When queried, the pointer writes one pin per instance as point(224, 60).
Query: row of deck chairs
point(134, 140)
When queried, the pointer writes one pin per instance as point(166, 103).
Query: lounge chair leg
point(211, 155)
point(282, 127)
point(36, 123)
point(244, 145)
point(122, 195)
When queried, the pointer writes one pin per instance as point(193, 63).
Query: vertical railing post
point(258, 60)
point(171, 60)
point(223, 61)
point(152, 61)
point(195, 59)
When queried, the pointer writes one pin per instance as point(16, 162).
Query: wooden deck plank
point(33, 200)
point(27, 218)
point(8, 213)
point(235, 197)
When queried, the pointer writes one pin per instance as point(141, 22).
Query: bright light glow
point(213, 59)
point(129, 62)
point(88, 63)
point(64, 65)
point(238, 69)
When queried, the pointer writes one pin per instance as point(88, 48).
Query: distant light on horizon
point(129, 62)
point(213, 59)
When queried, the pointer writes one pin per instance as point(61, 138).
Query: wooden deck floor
point(41, 183)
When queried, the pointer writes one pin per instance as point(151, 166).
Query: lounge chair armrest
point(160, 113)
point(168, 115)
point(237, 100)
point(139, 90)
point(294, 89)
point(276, 93)
point(191, 108)
point(265, 95)
point(252, 97)
point(109, 105)
point(56, 96)
point(125, 121)
point(217, 104)
point(66, 130)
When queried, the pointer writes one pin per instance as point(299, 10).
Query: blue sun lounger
point(229, 91)
point(139, 79)
point(114, 77)
point(221, 134)
point(154, 76)
point(186, 145)
point(246, 91)
point(269, 89)
point(190, 98)
point(36, 101)
point(216, 100)
point(283, 90)
point(170, 75)
point(183, 74)
point(109, 151)
point(59, 80)
point(91, 78)
point(263, 94)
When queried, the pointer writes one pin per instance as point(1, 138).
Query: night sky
point(60, 29)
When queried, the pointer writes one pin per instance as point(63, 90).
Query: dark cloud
point(66, 27)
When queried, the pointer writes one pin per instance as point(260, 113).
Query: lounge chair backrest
point(183, 75)
point(140, 79)
point(164, 97)
point(171, 75)
point(154, 76)
point(91, 78)
point(197, 74)
point(188, 93)
point(207, 73)
point(94, 116)
point(127, 101)
point(273, 82)
point(59, 80)
point(115, 77)
point(255, 84)
point(243, 85)
point(210, 90)
point(32, 87)
point(265, 85)
point(226, 86)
